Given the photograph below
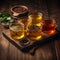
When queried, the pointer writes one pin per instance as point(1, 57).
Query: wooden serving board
point(6, 34)
point(32, 44)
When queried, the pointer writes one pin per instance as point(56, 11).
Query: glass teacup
point(49, 27)
point(17, 31)
point(34, 32)
point(36, 18)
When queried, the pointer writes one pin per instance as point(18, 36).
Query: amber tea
point(49, 26)
point(34, 32)
point(17, 31)
point(36, 18)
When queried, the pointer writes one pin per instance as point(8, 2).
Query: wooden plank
point(46, 52)
point(57, 48)
point(3, 46)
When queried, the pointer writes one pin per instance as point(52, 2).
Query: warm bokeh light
point(38, 38)
point(39, 18)
point(52, 31)
point(39, 24)
point(20, 37)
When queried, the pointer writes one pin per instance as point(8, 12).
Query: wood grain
point(55, 13)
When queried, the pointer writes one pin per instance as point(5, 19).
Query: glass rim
point(15, 24)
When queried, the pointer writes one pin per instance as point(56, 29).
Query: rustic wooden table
point(49, 51)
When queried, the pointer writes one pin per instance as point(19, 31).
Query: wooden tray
point(32, 44)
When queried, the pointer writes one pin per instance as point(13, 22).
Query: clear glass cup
point(17, 31)
point(34, 32)
point(49, 27)
point(36, 18)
